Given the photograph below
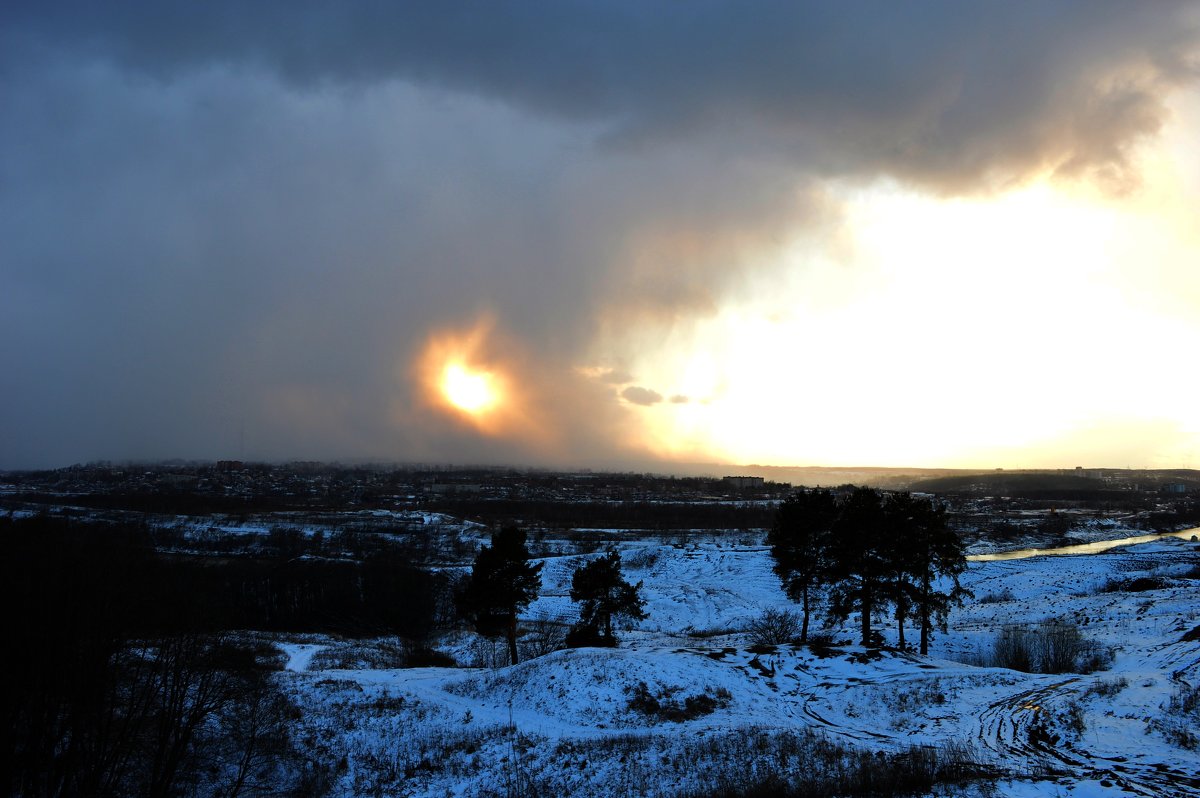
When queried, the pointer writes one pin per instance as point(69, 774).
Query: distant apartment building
point(442, 488)
point(741, 483)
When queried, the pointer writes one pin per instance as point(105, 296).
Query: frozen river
point(1086, 548)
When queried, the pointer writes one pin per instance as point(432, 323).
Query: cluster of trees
point(504, 582)
point(112, 691)
point(1180, 514)
point(301, 587)
point(865, 552)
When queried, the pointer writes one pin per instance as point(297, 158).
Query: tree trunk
point(804, 623)
point(925, 616)
point(512, 640)
point(900, 626)
point(866, 615)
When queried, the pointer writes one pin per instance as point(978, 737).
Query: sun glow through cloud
point(999, 331)
point(461, 376)
point(468, 390)
point(479, 380)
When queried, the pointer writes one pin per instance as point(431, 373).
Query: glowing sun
point(473, 378)
point(469, 390)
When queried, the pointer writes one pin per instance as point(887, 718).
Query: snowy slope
point(572, 721)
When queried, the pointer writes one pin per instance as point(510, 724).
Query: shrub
point(713, 631)
point(1004, 594)
point(583, 636)
point(830, 770)
point(1180, 724)
point(666, 706)
point(488, 652)
point(774, 628)
point(1186, 701)
point(1139, 585)
point(1107, 688)
point(642, 558)
point(381, 654)
point(1053, 646)
point(426, 657)
point(1074, 718)
point(825, 640)
point(542, 635)
point(1014, 649)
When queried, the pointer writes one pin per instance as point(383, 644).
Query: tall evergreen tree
point(799, 540)
point(604, 594)
point(503, 582)
point(933, 553)
point(859, 566)
point(902, 514)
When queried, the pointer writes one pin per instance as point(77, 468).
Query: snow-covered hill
point(683, 703)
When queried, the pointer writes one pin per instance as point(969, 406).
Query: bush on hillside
point(1053, 646)
point(774, 628)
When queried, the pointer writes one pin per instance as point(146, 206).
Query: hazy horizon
point(570, 234)
point(777, 473)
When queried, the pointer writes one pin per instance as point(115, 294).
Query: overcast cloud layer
point(229, 227)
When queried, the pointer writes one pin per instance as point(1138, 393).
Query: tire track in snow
point(1005, 729)
point(1005, 726)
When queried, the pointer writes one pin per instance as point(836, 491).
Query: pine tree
point(860, 565)
point(799, 541)
point(604, 594)
point(934, 551)
point(503, 582)
point(902, 520)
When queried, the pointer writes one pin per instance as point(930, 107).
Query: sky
point(592, 234)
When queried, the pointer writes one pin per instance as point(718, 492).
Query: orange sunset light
point(469, 390)
point(461, 374)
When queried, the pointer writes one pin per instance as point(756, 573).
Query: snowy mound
point(600, 688)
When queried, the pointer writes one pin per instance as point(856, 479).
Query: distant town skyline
point(577, 234)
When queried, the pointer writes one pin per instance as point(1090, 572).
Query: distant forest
point(81, 575)
point(1038, 486)
point(640, 515)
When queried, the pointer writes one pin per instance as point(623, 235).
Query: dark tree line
point(114, 687)
point(122, 678)
point(382, 594)
point(285, 589)
point(865, 552)
point(643, 515)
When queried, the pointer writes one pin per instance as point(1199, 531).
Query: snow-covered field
point(683, 702)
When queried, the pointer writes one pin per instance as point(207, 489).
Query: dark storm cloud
point(638, 395)
point(238, 222)
point(943, 92)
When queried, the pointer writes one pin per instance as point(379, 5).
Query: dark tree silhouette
point(799, 541)
point(870, 550)
point(901, 519)
point(926, 550)
point(502, 583)
point(859, 563)
point(602, 590)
